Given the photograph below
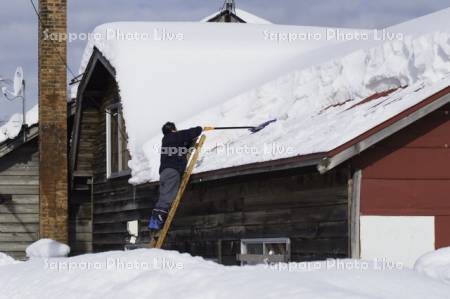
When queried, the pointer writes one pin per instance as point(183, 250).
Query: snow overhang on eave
point(384, 130)
point(25, 136)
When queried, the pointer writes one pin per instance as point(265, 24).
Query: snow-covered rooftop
point(10, 127)
point(242, 74)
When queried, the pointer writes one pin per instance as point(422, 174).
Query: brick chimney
point(53, 122)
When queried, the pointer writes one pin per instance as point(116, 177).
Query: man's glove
point(205, 129)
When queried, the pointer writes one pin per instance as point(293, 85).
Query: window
point(116, 143)
point(269, 250)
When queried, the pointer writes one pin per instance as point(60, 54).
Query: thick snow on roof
point(244, 15)
point(214, 76)
point(11, 127)
point(162, 80)
point(317, 107)
point(149, 273)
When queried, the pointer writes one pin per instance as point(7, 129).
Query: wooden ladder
point(157, 240)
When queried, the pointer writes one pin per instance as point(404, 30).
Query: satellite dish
point(18, 81)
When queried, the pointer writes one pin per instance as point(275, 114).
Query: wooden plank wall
point(80, 222)
point(19, 199)
point(311, 209)
point(87, 142)
point(80, 204)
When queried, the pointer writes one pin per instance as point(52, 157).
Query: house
point(19, 192)
point(355, 166)
point(367, 175)
point(220, 208)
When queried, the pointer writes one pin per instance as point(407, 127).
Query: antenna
point(18, 81)
point(230, 6)
point(18, 90)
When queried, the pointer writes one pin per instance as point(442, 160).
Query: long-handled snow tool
point(252, 129)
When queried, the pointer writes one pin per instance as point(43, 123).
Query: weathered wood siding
point(19, 199)
point(304, 206)
point(80, 203)
point(87, 143)
point(80, 222)
point(86, 173)
point(309, 208)
point(409, 173)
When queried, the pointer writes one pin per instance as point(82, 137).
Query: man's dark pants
point(169, 182)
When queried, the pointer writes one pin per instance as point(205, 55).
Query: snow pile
point(244, 15)
point(12, 126)
point(6, 259)
point(317, 107)
point(435, 264)
point(45, 248)
point(167, 274)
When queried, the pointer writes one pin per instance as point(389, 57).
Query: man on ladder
point(175, 173)
point(174, 157)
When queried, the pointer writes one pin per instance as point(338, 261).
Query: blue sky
point(18, 23)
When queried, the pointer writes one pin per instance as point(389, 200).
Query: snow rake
point(157, 239)
point(253, 129)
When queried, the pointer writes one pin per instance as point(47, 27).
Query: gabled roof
point(331, 100)
point(210, 64)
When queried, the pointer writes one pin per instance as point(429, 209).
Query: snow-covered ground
point(435, 264)
point(154, 273)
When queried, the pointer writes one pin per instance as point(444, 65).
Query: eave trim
point(332, 161)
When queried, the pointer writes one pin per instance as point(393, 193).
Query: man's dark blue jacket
point(175, 146)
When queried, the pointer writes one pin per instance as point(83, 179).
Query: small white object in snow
point(435, 264)
point(6, 259)
point(46, 248)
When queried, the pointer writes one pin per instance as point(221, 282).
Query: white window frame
point(263, 242)
point(109, 173)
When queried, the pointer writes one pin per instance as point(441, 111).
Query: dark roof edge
point(384, 130)
point(96, 57)
point(260, 167)
point(255, 168)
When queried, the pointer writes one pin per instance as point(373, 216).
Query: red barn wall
point(408, 174)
